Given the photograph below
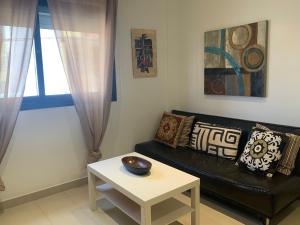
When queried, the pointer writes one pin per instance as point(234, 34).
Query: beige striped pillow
point(260, 126)
point(287, 161)
point(186, 130)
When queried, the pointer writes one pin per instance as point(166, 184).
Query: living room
point(47, 152)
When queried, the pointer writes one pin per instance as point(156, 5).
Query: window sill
point(50, 101)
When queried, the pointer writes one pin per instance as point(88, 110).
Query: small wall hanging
point(144, 55)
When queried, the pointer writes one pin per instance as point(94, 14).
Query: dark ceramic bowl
point(136, 165)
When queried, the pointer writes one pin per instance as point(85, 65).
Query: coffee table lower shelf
point(165, 212)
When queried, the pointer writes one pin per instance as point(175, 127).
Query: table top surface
point(161, 180)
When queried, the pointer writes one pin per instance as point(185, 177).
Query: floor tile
point(78, 196)
point(26, 214)
point(58, 209)
point(71, 208)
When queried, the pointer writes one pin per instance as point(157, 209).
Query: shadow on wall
point(227, 105)
point(227, 99)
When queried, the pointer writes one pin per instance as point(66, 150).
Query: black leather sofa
point(222, 179)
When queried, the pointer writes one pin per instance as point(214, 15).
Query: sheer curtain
point(17, 20)
point(85, 32)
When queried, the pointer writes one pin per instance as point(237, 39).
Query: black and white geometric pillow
point(262, 152)
point(216, 140)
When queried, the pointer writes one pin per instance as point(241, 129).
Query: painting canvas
point(144, 58)
point(236, 60)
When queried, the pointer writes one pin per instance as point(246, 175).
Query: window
point(46, 84)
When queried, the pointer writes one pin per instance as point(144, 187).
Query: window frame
point(49, 101)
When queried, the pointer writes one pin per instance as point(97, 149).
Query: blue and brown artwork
point(236, 60)
point(144, 53)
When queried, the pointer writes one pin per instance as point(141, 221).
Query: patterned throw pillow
point(262, 152)
point(287, 161)
point(169, 129)
point(216, 140)
point(186, 130)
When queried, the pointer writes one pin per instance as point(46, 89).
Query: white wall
point(47, 147)
point(283, 78)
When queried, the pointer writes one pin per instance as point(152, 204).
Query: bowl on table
point(136, 165)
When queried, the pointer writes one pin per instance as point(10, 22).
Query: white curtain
point(85, 32)
point(17, 20)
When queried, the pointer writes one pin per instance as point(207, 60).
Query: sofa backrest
point(245, 126)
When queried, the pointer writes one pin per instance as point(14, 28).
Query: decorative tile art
point(236, 60)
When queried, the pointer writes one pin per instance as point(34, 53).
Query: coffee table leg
point(145, 215)
point(92, 190)
point(195, 203)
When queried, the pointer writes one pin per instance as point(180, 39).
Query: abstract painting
point(236, 60)
point(144, 58)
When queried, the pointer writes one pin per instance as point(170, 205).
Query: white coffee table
point(146, 199)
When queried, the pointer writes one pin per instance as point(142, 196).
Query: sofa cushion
point(263, 152)
point(169, 129)
point(184, 138)
point(288, 159)
point(216, 140)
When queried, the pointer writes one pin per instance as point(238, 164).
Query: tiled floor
point(71, 208)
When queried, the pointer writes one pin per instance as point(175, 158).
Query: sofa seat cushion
point(217, 169)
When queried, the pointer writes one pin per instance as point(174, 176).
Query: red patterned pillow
point(170, 129)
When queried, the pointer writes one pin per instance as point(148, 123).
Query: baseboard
point(42, 193)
